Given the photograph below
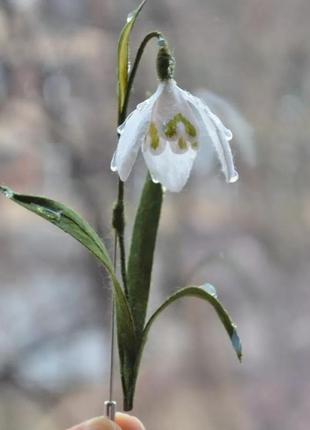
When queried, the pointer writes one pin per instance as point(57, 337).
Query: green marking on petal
point(182, 144)
point(171, 127)
point(154, 136)
point(194, 145)
point(189, 128)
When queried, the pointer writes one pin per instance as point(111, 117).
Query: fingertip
point(99, 423)
point(128, 422)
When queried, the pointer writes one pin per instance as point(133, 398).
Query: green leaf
point(72, 223)
point(143, 242)
point(123, 55)
point(206, 292)
point(66, 219)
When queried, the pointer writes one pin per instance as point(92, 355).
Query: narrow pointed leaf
point(205, 292)
point(142, 248)
point(72, 223)
point(66, 219)
point(126, 334)
point(123, 54)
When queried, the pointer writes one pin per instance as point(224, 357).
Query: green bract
point(123, 60)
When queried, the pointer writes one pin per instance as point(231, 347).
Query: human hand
point(122, 422)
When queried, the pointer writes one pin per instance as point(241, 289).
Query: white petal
point(177, 148)
point(132, 133)
point(147, 146)
point(171, 103)
point(220, 140)
point(220, 136)
point(170, 169)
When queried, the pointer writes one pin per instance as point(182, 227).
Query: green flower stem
point(118, 224)
point(119, 210)
point(148, 37)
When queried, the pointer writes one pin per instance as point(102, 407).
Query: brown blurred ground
point(251, 239)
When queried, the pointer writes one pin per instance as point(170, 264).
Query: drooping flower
point(170, 127)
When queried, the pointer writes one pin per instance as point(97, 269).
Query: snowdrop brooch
point(170, 128)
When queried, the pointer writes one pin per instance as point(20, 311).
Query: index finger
point(122, 422)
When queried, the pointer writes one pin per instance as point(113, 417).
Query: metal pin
point(110, 405)
point(110, 409)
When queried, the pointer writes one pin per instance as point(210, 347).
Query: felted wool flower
point(170, 127)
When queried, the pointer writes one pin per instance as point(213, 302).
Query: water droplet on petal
point(155, 180)
point(7, 192)
point(144, 104)
point(122, 126)
point(113, 163)
point(228, 134)
point(210, 289)
point(234, 178)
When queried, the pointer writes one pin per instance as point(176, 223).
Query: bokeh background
point(251, 60)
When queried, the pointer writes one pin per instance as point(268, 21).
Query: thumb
point(127, 422)
point(122, 422)
point(99, 423)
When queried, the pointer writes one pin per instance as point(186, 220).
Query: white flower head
point(170, 127)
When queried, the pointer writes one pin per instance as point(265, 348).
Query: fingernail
point(133, 422)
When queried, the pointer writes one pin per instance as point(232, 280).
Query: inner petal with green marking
point(181, 129)
point(154, 136)
point(153, 142)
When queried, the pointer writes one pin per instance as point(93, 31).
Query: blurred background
point(251, 61)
